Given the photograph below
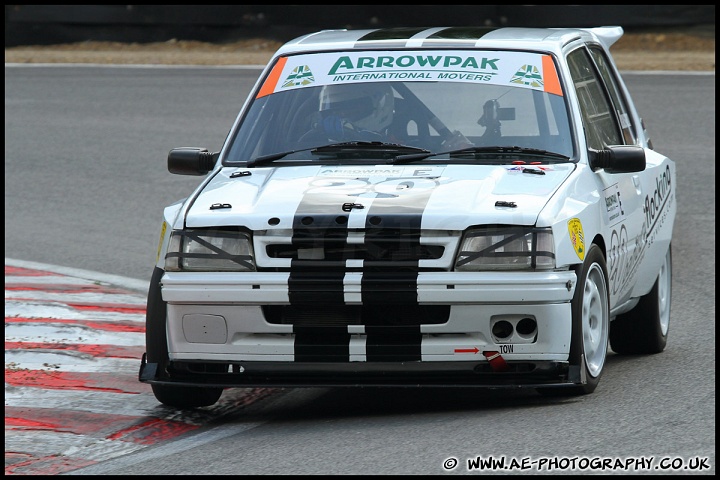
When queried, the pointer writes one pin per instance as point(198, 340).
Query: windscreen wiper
point(339, 148)
point(363, 145)
point(264, 159)
point(495, 150)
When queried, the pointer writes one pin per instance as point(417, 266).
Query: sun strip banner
point(521, 69)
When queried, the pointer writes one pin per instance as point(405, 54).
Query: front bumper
point(223, 318)
point(219, 333)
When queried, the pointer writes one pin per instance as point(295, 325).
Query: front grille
point(334, 315)
point(390, 250)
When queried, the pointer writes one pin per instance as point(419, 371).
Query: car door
point(656, 188)
point(606, 121)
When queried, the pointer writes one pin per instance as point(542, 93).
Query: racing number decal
point(364, 187)
point(336, 186)
point(626, 254)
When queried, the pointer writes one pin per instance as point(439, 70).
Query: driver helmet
point(366, 106)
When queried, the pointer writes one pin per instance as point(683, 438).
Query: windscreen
point(426, 99)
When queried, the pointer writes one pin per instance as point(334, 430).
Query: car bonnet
point(444, 196)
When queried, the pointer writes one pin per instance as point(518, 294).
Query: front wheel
point(590, 325)
point(644, 329)
point(186, 397)
point(157, 352)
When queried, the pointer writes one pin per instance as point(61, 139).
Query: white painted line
point(66, 444)
point(59, 333)
point(124, 282)
point(18, 308)
point(108, 403)
point(187, 442)
point(69, 361)
point(88, 297)
point(47, 280)
point(112, 403)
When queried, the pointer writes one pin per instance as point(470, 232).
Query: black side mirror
point(191, 161)
point(618, 159)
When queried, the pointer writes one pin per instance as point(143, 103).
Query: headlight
point(209, 251)
point(506, 248)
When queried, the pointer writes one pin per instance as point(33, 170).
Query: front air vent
point(379, 315)
point(385, 251)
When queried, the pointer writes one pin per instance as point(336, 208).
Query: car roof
point(550, 40)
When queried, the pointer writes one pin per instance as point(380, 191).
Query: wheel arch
point(599, 240)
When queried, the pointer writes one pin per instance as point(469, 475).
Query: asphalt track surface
point(73, 340)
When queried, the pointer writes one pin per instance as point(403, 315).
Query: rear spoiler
point(607, 35)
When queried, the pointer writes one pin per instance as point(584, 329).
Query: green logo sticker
point(299, 77)
point(528, 75)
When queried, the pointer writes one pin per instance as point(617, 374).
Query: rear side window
point(603, 65)
point(599, 119)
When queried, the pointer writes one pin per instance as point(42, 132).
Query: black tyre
point(157, 352)
point(590, 324)
point(644, 329)
point(186, 397)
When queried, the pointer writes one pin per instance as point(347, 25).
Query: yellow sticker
point(577, 237)
point(162, 236)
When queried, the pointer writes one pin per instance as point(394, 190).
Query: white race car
point(417, 207)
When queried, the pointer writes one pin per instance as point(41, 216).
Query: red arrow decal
point(467, 350)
